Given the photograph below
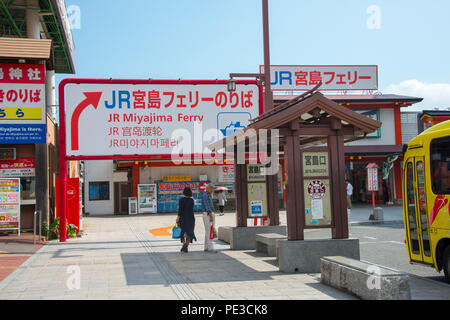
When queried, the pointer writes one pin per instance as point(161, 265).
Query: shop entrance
point(122, 190)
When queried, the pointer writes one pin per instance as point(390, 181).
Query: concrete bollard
point(378, 213)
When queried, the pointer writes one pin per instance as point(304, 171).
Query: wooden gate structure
point(306, 121)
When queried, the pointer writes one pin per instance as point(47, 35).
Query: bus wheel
point(446, 264)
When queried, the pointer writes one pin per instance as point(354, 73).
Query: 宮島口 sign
point(315, 164)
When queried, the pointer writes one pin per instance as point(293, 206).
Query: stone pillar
point(32, 19)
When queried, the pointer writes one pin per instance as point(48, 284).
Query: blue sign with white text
point(23, 133)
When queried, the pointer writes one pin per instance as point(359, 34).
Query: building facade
point(35, 43)
point(120, 179)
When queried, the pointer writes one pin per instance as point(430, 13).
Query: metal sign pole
point(34, 228)
point(40, 225)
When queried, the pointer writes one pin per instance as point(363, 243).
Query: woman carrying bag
point(186, 219)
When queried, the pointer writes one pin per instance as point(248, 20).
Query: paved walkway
point(118, 258)
point(16, 250)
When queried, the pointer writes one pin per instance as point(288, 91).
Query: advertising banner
point(333, 78)
point(23, 167)
point(10, 204)
point(22, 103)
point(169, 193)
point(127, 118)
point(226, 173)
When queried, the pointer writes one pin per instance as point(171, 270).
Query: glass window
point(440, 165)
point(423, 208)
point(28, 191)
point(411, 203)
point(98, 191)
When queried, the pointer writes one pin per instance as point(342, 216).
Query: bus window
point(440, 165)
point(423, 208)
point(411, 203)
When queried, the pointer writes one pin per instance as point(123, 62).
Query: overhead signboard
point(333, 78)
point(22, 104)
point(139, 117)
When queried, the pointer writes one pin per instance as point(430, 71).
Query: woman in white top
point(222, 199)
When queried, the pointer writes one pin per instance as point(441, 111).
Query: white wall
point(151, 175)
point(96, 171)
point(387, 131)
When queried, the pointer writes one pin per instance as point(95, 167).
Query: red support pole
point(62, 200)
point(373, 203)
point(62, 169)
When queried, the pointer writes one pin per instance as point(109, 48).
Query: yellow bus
point(426, 201)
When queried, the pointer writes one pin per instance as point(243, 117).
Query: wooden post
point(240, 187)
point(338, 187)
point(295, 207)
point(272, 199)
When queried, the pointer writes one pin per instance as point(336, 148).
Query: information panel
point(158, 118)
point(317, 189)
point(317, 202)
point(10, 204)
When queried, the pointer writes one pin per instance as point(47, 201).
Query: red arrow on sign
point(92, 98)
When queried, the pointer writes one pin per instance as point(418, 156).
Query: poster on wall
point(257, 200)
point(317, 202)
point(169, 193)
point(23, 167)
point(22, 104)
point(10, 204)
point(226, 173)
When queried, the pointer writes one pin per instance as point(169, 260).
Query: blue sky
point(208, 39)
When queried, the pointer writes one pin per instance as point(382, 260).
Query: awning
point(23, 48)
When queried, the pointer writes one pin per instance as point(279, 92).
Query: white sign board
point(372, 179)
point(226, 173)
point(106, 119)
point(304, 78)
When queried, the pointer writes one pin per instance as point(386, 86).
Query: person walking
point(208, 216)
point(186, 219)
point(222, 200)
point(349, 194)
